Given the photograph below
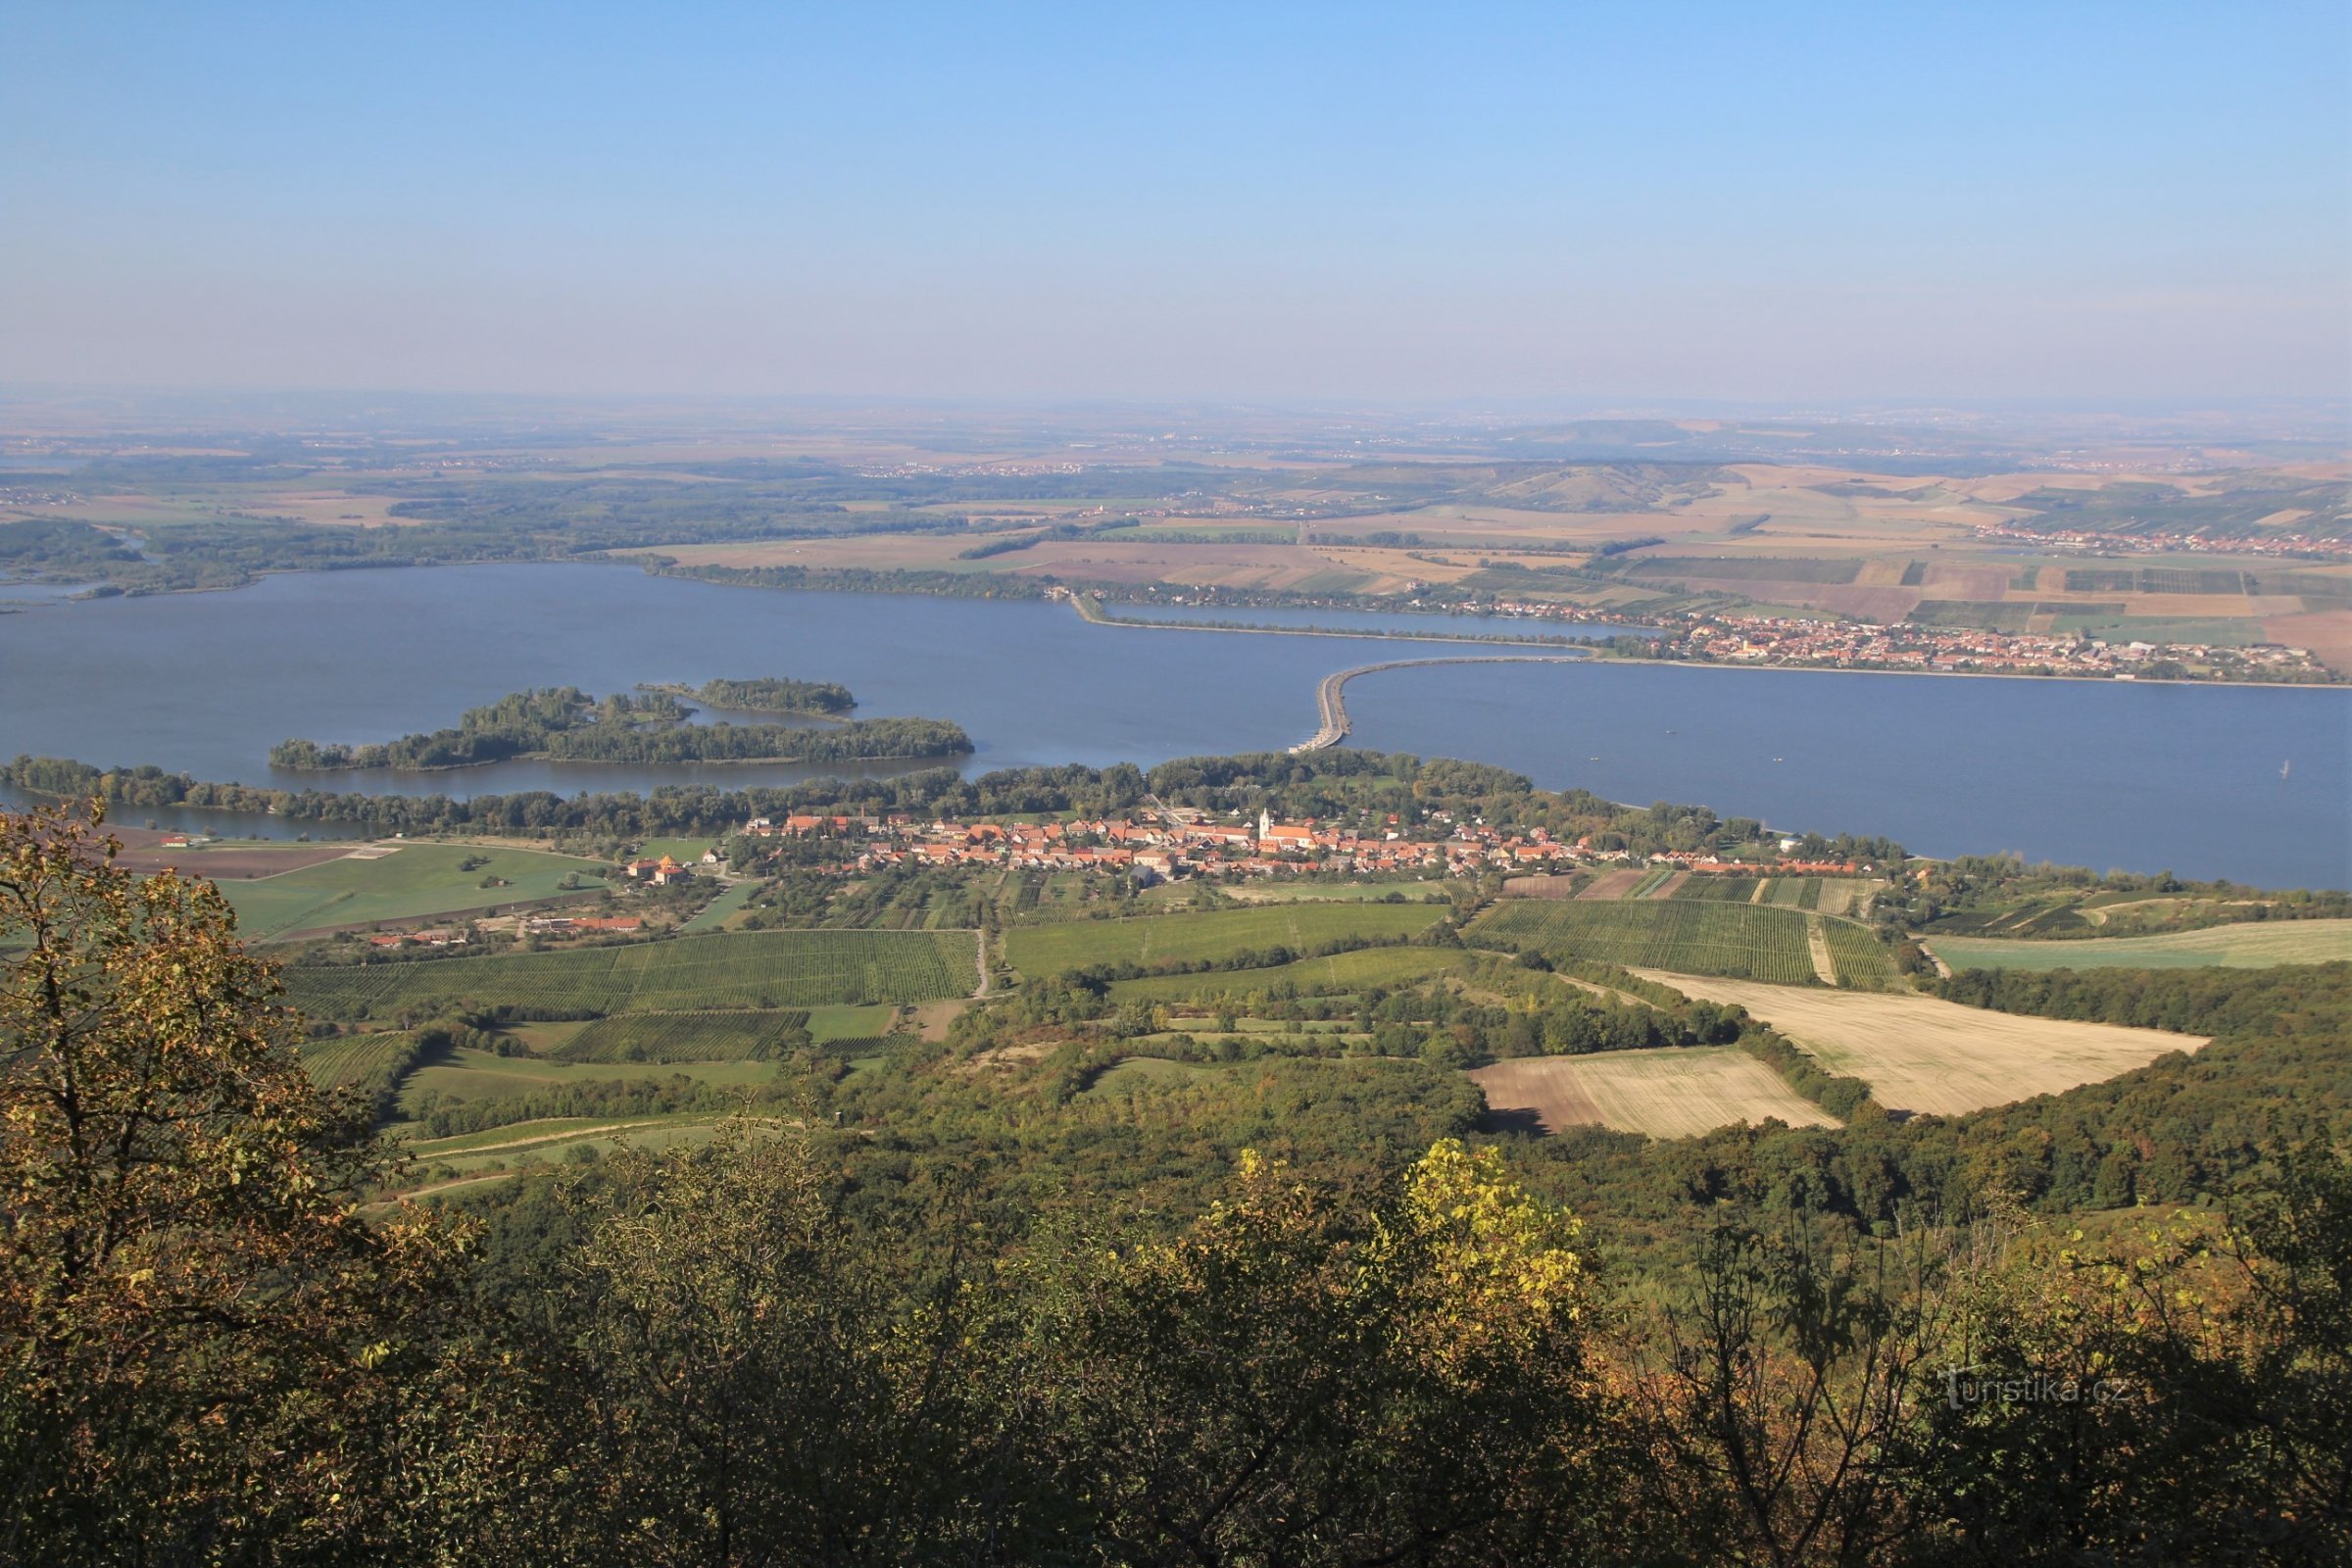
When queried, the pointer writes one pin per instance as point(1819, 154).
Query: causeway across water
point(1332, 707)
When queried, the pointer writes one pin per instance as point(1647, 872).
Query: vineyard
point(1342, 972)
point(373, 1064)
point(685, 1037)
point(1687, 936)
point(1862, 959)
point(752, 969)
point(1045, 949)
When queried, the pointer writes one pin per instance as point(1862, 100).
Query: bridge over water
point(1331, 703)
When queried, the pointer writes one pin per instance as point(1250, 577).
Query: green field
point(683, 1037)
point(730, 971)
point(1718, 889)
point(1045, 949)
point(1339, 974)
point(470, 1076)
point(415, 882)
point(1687, 936)
point(2248, 945)
point(731, 899)
point(1144, 1073)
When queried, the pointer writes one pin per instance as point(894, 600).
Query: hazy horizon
point(1386, 207)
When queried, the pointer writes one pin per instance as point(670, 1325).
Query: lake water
point(2144, 776)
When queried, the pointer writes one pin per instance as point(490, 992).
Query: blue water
point(2138, 775)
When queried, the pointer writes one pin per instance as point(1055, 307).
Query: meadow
point(2249, 945)
point(1047, 950)
point(751, 970)
point(1673, 1093)
point(406, 882)
point(1924, 1055)
point(1689, 936)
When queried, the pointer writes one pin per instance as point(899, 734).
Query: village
point(1182, 843)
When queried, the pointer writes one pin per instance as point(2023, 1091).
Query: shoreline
point(600, 761)
point(1598, 650)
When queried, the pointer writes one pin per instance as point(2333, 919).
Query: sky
point(1408, 204)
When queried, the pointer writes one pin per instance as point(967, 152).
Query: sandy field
point(1920, 1053)
point(1665, 1093)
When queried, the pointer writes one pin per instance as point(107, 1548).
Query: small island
point(563, 723)
point(795, 699)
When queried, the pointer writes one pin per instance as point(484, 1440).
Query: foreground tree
point(195, 1328)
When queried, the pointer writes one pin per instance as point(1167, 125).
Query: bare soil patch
point(1614, 884)
point(2327, 633)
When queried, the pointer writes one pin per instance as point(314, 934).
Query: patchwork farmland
point(754, 969)
point(1047, 950)
point(1690, 936)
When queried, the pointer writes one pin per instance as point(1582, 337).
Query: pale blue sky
point(1794, 202)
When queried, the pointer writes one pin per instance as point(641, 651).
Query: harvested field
point(1548, 884)
point(223, 863)
point(1924, 1055)
point(2248, 944)
point(1614, 884)
point(1675, 1093)
point(2327, 633)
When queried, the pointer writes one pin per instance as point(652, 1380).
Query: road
point(1331, 703)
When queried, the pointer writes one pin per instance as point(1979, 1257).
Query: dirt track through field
point(1920, 1053)
point(1825, 967)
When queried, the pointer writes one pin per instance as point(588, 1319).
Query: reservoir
point(2143, 776)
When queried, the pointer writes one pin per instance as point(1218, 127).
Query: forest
point(567, 724)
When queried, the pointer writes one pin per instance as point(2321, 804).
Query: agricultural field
point(749, 970)
point(1673, 1093)
point(470, 1076)
point(1045, 949)
point(686, 851)
point(1860, 959)
point(406, 882)
point(1339, 975)
point(370, 1063)
point(2249, 945)
point(1690, 936)
point(683, 1037)
point(1925, 1054)
point(475, 1159)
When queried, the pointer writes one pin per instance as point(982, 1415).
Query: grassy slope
point(415, 882)
point(2249, 946)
